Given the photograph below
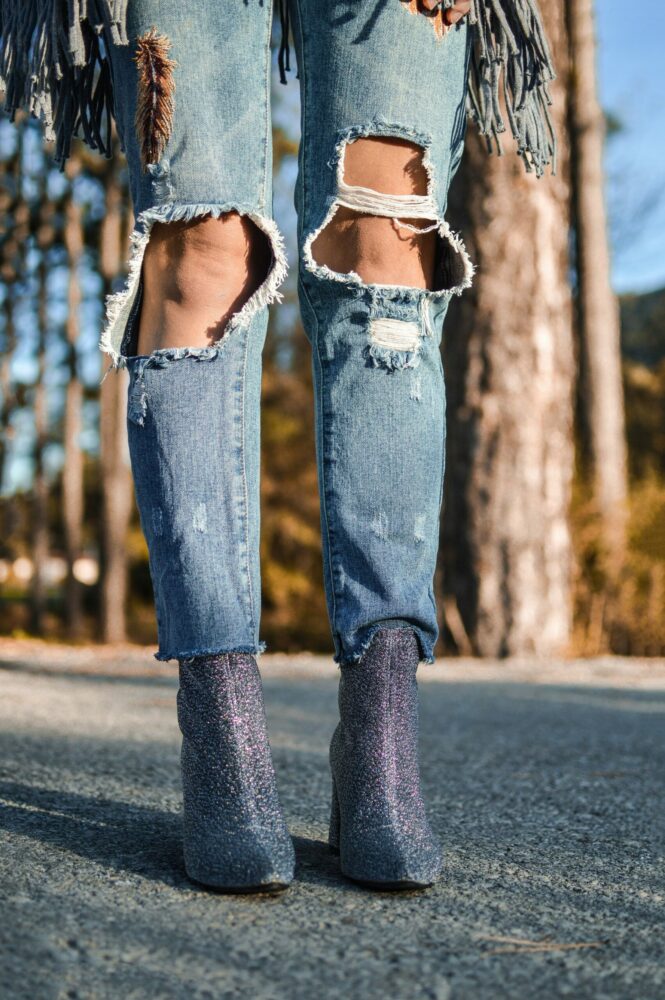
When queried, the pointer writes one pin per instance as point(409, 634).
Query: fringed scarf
point(54, 63)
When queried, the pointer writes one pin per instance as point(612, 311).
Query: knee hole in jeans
point(196, 275)
point(364, 235)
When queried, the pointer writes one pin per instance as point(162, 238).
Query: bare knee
point(186, 257)
point(376, 247)
point(196, 274)
point(394, 166)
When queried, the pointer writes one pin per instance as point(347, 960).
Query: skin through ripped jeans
point(193, 412)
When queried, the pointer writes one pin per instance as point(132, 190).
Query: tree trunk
point(509, 362)
point(40, 489)
point(10, 202)
point(601, 396)
point(72, 472)
point(16, 219)
point(115, 473)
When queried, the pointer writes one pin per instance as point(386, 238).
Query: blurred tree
point(72, 470)
point(600, 399)
point(14, 213)
point(294, 612)
point(43, 234)
point(293, 604)
point(643, 327)
point(509, 362)
point(116, 483)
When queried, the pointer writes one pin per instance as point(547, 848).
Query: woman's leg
point(192, 106)
point(382, 109)
point(191, 324)
point(382, 131)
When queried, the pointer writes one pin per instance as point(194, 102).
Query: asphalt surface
point(544, 781)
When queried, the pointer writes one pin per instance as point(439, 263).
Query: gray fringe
point(511, 56)
point(54, 64)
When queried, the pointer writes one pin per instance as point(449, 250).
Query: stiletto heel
point(333, 836)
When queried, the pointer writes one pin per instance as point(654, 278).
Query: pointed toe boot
point(235, 836)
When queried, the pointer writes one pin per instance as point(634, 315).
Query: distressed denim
point(193, 413)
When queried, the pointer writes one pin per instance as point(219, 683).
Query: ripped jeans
point(193, 413)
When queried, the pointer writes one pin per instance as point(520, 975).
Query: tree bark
point(597, 312)
point(509, 363)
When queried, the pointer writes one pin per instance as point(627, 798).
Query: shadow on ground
point(548, 800)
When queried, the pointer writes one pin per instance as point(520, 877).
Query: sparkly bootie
point(235, 837)
point(378, 822)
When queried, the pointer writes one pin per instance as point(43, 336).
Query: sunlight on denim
point(193, 413)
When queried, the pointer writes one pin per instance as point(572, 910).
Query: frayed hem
point(192, 654)
point(160, 357)
point(425, 648)
point(468, 267)
point(119, 305)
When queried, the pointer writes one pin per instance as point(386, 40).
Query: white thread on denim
point(427, 318)
point(371, 202)
point(395, 334)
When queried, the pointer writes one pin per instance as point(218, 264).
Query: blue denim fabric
point(193, 414)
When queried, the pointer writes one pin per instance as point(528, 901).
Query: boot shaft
point(378, 818)
point(219, 693)
point(378, 696)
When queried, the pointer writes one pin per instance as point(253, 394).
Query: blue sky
point(631, 65)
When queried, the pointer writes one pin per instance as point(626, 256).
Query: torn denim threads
point(378, 378)
point(218, 157)
point(193, 414)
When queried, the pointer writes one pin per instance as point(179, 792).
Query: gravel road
point(545, 783)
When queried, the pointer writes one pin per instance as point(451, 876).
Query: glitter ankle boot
point(378, 822)
point(235, 837)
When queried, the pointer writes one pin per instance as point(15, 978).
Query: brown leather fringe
point(155, 104)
